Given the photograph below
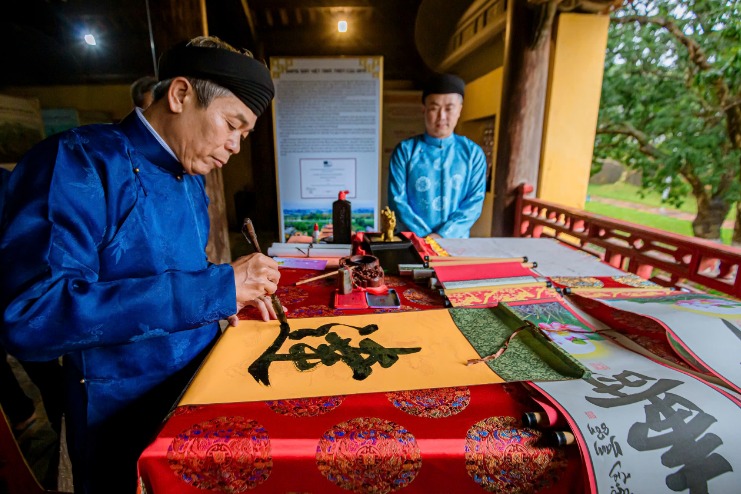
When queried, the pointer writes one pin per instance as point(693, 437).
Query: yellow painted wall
point(483, 96)
point(112, 98)
point(575, 86)
point(482, 101)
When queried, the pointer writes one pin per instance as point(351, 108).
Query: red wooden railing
point(666, 258)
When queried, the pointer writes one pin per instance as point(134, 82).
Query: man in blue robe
point(437, 180)
point(102, 254)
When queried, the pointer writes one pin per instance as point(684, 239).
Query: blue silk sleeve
point(460, 221)
point(70, 221)
point(397, 193)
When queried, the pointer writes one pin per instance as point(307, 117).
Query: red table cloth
point(463, 439)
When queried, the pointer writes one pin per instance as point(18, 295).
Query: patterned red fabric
point(482, 271)
point(316, 297)
point(627, 281)
point(463, 439)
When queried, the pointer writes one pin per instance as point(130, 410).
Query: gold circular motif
point(503, 458)
point(226, 454)
point(369, 455)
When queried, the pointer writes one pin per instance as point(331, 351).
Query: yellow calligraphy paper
point(440, 360)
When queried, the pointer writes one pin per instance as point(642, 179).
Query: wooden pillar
point(218, 249)
point(526, 58)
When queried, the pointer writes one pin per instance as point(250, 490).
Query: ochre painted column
point(483, 101)
point(527, 50)
point(572, 108)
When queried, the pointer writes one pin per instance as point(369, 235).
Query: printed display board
point(327, 127)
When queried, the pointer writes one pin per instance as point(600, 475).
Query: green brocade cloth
point(530, 355)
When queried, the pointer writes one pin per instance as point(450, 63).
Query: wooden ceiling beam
point(250, 19)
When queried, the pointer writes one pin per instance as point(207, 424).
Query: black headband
point(244, 76)
point(444, 84)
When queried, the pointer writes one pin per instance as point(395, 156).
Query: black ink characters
point(305, 357)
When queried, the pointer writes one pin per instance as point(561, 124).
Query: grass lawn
point(626, 192)
point(657, 221)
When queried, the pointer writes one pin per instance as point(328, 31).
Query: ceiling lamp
point(90, 39)
point(342, 26)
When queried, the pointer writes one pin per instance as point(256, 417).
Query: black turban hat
point(244, 76)
point(444, 84)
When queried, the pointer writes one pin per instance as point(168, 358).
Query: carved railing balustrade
point(665, 258)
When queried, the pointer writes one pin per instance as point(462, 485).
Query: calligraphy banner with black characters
point(704, 330)
point(641, 426)
point(326, 356)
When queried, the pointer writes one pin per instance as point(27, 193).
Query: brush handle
point(325, 275)
point(277, 306)
point(251, 233)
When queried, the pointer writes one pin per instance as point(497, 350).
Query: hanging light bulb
point(342, 26)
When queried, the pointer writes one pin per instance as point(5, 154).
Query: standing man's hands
point(255, 277)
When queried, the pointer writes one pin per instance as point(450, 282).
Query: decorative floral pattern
point(395, 282)
point(563, 336)
point(659, 346)
point(635, 281)
point(503, 458)
point(292, 294)
point(423, 297)
point(315, 311)
point(186, 410)
point(707, 303)
point(557, 326)
point(634, 323)
point(369, 455)
point(487, 333)
point(432, 403)
point(226, 454)
point(587, 304)
point(490, 297)
point(305, 407)
point(578, 281)
point(625, 292)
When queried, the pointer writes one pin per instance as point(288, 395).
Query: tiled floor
point(39, 441)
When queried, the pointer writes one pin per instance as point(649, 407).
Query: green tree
point(671, 102)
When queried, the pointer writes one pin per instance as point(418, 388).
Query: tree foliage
point(671, 101)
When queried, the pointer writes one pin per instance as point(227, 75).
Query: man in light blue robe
point(102, 254)
point(437, 180)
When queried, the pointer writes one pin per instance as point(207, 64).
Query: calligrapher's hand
point(255, 276)
point(265, 307)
